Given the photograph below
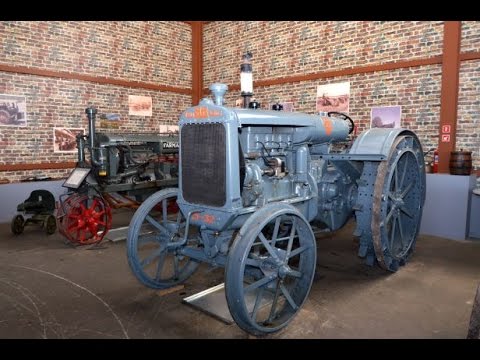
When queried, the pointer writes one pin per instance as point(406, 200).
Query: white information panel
point(76, 178)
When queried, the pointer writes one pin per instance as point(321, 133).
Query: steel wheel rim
point(86, 219)
point(279, 286)
point(152, 254)
point(402, 206)
point(399, 195)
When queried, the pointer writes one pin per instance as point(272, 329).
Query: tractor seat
point(39, 201)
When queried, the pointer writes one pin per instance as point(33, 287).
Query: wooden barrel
point(460, 162)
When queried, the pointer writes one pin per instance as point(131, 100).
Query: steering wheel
point(351, 125)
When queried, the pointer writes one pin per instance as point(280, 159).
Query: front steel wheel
point(153, 248)
point(270, 269)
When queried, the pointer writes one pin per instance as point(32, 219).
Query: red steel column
point(197, 61)
point(452, 32)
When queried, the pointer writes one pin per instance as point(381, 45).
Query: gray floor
point(50, 290)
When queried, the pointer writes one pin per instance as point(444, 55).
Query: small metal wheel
point(50, 224)
point(85, 219)
point(398, 198)
point(153, 242)
point(269, 273)
point(18, 224)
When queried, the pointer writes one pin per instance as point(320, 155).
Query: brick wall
point(298, 47)
point(468, 113)
point(417, 90)
point(294, 48)
point(470, 36)
point(153, 52)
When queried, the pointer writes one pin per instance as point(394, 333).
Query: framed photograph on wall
point(386, 117)
point(333, 97)
point(64, 139)
point(169, 129)
point(139, 105)
point(13, 110)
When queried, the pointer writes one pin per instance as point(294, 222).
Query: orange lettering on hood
point(328, 125)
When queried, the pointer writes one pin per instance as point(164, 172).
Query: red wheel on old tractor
point(85, 219)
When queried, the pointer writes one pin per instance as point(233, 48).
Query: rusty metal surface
point(120, 201)
point(376, 211)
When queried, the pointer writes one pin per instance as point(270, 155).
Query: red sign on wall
point(445, 137)
point(446, 129)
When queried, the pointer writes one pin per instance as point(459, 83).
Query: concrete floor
point(51, 290)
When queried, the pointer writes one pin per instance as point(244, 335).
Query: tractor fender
point(377, 141)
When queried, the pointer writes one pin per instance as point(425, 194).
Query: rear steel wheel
point(154, 230)
point(269, 273)
point(398, 198)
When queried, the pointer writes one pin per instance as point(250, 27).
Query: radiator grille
point(203, 164)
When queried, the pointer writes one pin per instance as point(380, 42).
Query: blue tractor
point(252, 183)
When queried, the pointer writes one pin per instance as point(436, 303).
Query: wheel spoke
point(275, 230)
point(98, 214)
point(400, 229)
point(151, 257)
point(288, 297)
point(392, 235)
point(389, 216)
point(267, 246)
point(82, 235)
point(406, 211)
point(258, 300)
point(253, 262)
point(407, 189)
point(290, 240)
point(93, 228)
point(259, 283)
point(157, 225)
point(391, 196)
point(164, 211)
point(161, 261)
point(298, 251)
point(404, 172)
point(274, 303)
point(396, 179)
point(294, 273)
point(146, 238)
